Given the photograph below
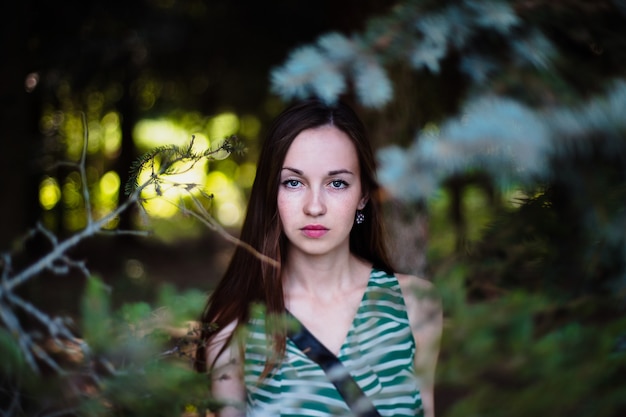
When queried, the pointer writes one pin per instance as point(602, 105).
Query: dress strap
point(337, 373)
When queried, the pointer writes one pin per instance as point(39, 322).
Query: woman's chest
point(378, 353)
point(329, 321)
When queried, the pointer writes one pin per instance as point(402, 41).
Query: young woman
point(315, 209)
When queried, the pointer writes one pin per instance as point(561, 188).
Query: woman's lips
point(314, 231)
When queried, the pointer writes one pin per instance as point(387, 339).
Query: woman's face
point(320, 191)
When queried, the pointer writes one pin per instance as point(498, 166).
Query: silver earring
point(360, 217)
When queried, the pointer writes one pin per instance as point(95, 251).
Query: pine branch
point(162, 163)
point(205, 218)
point(417, 34)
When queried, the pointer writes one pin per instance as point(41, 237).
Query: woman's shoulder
point(423, 306)
point(425, 314)
point(408, 283)
point(420, 296)
point(414, 283)
point(219, 349)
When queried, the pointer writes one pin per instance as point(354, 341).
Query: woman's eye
point(338, 184)
point(291, 183)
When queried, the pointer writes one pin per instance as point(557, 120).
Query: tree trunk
point(20, 170)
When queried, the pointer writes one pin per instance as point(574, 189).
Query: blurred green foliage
point(518, 158)
point(145, 363)
point(521, 171)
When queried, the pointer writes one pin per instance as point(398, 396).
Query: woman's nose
point(314, 205)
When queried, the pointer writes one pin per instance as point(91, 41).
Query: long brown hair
point(249, 280)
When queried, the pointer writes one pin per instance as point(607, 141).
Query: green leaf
point(12, 358)
point(96, 311)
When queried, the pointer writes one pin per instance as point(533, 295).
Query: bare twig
point(174, 160)
point(12, 409)
point(61, 248)
point(55, 326)
point(29, 348)
point(7, 264)
point(141, 233)
point(24, 339)
point(51, 237)
point(203, 216)
point(83, 174)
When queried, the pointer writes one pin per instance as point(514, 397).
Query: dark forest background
point(515, 210)
point(200, 57)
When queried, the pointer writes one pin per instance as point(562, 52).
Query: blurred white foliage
point(497, 135)
point(500, 136)
point(478, 68)
point(461, 27)
point(421, 38)
point(307, 71)
point(504, 138)
point(338, 47)
point(605, 115)
point(427, 55)
point(534, 48)
point(494, 14)
point(432, 47)
point(373, 86)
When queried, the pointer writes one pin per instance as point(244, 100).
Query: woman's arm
point(425, 317)
point(226, 371)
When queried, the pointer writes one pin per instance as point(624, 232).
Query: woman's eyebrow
point(295, 171)
point(330, 173)
point(340, 171)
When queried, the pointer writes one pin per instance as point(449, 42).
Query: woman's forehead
point(323, 141)
point(325, 144)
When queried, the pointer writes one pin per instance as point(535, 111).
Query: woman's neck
point(324, 274)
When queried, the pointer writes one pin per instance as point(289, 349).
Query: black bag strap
point(351, 392)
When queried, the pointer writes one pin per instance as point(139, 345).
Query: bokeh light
point(223, 125)
point(112, 134)
point(109, 184)
point(73, 132)
point(49, 193)
point(106, 197)
point(223, 181)
point(151, 133)
point(228, 199)
point(250, 126)
point(245, 174)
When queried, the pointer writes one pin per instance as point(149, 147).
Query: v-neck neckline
point(344, 348)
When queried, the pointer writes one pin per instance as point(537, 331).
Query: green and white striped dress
point(378, 351)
